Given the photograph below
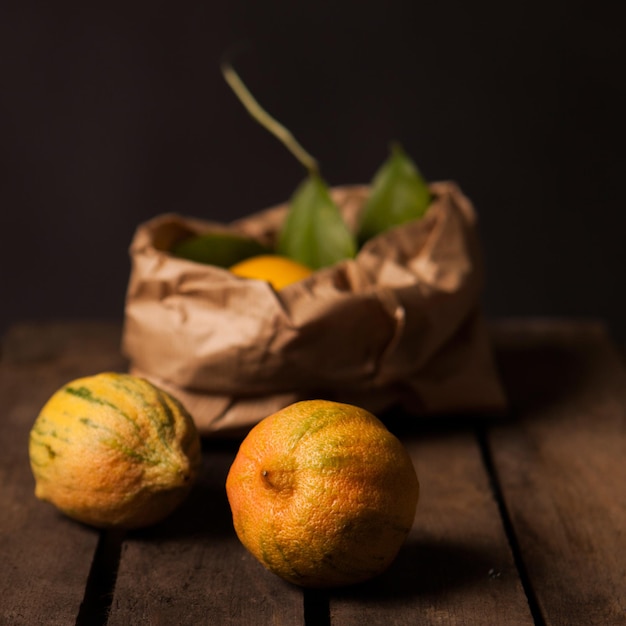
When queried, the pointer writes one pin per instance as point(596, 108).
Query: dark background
point(110, 115)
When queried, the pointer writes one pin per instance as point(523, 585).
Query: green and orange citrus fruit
point(322, 494)
point(113, 450)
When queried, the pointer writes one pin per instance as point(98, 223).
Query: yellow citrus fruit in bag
point(279, 271)
point(113, 450)
point(322, 494)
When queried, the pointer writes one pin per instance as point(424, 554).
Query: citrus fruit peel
point(113, 450)
point(322, 494)
point(277, 270)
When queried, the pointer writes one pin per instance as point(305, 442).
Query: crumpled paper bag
point(398, 326)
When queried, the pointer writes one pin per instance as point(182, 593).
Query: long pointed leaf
point(314, 232)
point(399, 194)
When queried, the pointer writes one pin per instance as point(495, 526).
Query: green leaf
point(221, 249)
point(314, 232)
point(399, 194)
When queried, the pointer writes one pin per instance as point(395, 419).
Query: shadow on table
point(426, 569)
point(206, 512)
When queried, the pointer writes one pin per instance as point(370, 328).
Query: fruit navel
point(322, 494)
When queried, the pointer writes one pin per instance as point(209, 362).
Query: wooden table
point(522, 519)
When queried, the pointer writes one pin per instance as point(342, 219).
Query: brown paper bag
point(399, 325)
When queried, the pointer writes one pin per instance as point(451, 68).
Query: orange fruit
point(322, 494)
point(279, 271)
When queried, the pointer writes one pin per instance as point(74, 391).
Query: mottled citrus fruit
point(322, 494)
point(113, 450)
point(279, 271)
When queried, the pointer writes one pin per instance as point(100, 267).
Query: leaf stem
point(266, 120)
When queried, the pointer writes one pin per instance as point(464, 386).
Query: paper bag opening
point(399, 325)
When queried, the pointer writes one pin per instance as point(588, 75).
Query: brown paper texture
point(398, 326)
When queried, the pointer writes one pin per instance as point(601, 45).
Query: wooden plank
point(562, 467)
point(45, 558)
point(456, 567)
point(191, 569)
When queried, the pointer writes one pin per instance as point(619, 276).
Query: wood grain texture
point(456, 567)
point(45, 558)
point(561, 465)
point(535, 502)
